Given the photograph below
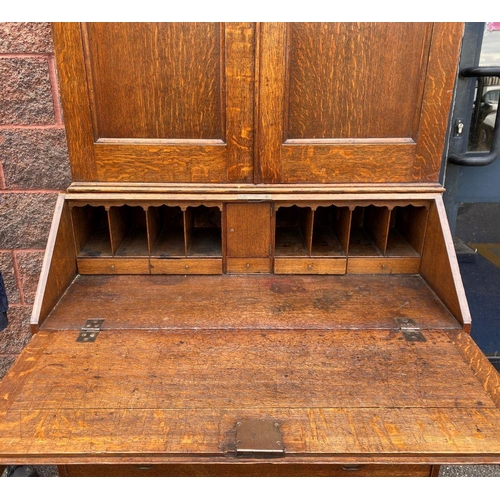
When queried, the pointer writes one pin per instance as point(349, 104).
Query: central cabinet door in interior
point(354, 102)
point(158, 102)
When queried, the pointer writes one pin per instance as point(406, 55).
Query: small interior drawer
point(186, 266)
point(113, 265)
point(249, 265)
point(284, 265)
point(383, 265)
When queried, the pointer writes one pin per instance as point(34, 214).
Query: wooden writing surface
point(176, 395)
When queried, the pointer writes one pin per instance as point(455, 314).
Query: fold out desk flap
point(165, 396)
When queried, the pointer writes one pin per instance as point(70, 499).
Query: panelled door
point(262, 103)
point(158, 102)
point(355, 102)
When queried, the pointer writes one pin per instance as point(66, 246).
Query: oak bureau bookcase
point(252, 272)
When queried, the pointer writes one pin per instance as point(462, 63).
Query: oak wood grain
point(383, 265)
point(376, 222)
point(441, 73)
point(479, 364)
point(439, 266)
point(347, 163)
point(349, 80)
point(244, 470)
point(270, 112)
point(250, 301)
point(398, 245)
point(337, 125)
point(115, 265)
point(411, 222)
point(337, 435)
point(308, 265)
point(248, 229)
point(131, 188)
point(159, 117)
point(59, 264)
point(248, 265)
point(342, 227)
point(422, 405)
point(118, 226)
point(91, 231)
point(240, 97)
point(250, 369)
point(161, 163)
point(151, 72)
point(186, 266)
point(75, 99)
point(203, 231)
point(153, 224)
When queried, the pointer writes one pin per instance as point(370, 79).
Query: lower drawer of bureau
point(245, 470)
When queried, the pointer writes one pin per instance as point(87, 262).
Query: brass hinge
point(259, 439)
point(90, 330)
point(411, 332)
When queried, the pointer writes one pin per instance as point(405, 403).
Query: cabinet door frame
point(335, 160)
point(229, 159)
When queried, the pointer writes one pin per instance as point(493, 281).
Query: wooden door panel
point(158, 102)
point(343, 85)
point(167, 76)
point(249, 229)
point(354, 102)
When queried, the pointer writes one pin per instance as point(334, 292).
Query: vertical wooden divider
point(117, 227)
point(307, 224)
point(414, 228)
point(224, 229)
point(188, 229)
point(342, 227)
point(152, 226)
point(82, 222)
point(377, 221)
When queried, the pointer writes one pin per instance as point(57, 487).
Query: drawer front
point(237, 470)
point(285, 265)
point(241, 266)
point(383, 265)
point(186, 266)
point(114, 265)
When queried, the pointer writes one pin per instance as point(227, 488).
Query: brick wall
point(34, 167)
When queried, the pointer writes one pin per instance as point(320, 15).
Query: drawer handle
point(143, 467)
point(186, 266)
point(351, 467)
point(248, 266)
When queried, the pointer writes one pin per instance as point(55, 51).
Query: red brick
point(25, 92)
point(29, 265)
point(17, 334)
point(26, 219)
point(22, 38)
point(35, 158)
point(9, 278)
